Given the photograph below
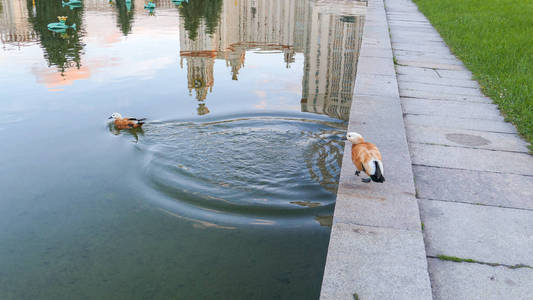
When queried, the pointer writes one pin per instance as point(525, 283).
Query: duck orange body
point(366, 157)
point(126, 123)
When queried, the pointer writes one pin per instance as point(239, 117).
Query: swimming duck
point(366, 157)
point(126, 123)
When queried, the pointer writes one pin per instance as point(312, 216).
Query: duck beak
point(110, 118)
point(344, 138)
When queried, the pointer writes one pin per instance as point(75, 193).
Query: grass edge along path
point(494, 39)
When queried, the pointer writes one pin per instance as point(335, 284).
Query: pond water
point(228, 190)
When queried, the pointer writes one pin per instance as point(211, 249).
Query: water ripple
point(255, 170)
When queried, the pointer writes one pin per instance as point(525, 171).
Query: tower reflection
point(329, 36)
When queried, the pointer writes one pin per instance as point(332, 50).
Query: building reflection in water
point(328, 35)
point(15, 29)
point(24, 22)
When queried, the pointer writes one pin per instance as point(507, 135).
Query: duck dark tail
point(377, 177)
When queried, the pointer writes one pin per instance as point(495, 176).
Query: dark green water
point(226, 193)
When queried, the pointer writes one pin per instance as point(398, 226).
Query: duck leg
point(366, 180)
point(357, 173)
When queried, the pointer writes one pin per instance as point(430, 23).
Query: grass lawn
point(494, 39)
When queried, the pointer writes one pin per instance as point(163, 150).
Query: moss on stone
point(456, 259)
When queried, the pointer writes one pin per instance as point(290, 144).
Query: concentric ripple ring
point(244, 169)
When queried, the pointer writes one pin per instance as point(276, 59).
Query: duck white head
point(116, 116)
point(354, 138)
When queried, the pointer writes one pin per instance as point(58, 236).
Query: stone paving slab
point(427, 36)
point(375, 263)
point(436, 90)
point(430, 64)
point(376, 66)
point(420, 23)
point(464, 109)
point(407, 92)
point(376, 52)
point(483, 233)
point(434, 52)
point(416, 71)
point(419, 45)
point(420, 73)
point(471, 159)
point(507, 190)
point(410, 23)
point(404, 19)
point(436, 81)
point(378, 85)
point(466, 281)
point(423, 31)
point(460, 123)
point(426, 31)
point(417, 26)
point(359, 208)
point(465, 74)
point(466, 138)
point(411, 49)
point(377, 30)
point(410, 28)
point(421, 56)
point(379, 33)
point(402, 16)
point(371, 42)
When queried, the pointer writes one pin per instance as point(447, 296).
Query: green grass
point(494, 39)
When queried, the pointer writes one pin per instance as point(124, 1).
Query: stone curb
point(376, 248)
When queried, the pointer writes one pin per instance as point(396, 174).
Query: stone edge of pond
point(376, 248)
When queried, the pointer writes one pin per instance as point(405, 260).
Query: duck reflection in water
point(134, 132)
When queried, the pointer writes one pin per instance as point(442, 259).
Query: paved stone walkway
point(473, 174)
point(376, 248)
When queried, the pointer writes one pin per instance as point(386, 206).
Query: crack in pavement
point(469, 260)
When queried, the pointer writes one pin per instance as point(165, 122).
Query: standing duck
point(126, 123)
point(366, 157)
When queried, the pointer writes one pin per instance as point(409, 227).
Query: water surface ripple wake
point(255, 170)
